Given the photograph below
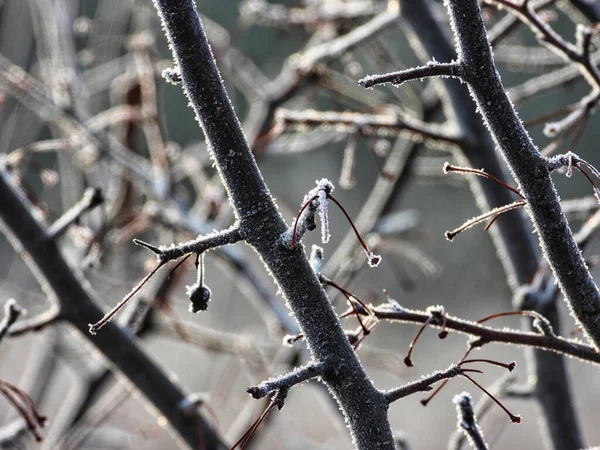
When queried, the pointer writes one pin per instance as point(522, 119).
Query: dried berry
point(199, 296)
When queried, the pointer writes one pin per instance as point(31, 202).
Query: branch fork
point(199, 294)
point(425, 383)
point(491, 215)
point(570, 160)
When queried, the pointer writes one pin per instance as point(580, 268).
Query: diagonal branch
point(79, 306)
point(261, 224)
point(424, 384)
point(91, 198)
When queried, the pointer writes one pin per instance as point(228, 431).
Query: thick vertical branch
point(528, 167)
point(511, 234)
point(556, 239)
point(364, 407)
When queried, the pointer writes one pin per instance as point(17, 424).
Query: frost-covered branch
point(468, 422)
point(261, 225)
point(487, 335)
point(511, 236)
point(424, 384)
point(578, 53)
point(199, 245)
point(432, 69)
point(297, 376)
point(317, 199)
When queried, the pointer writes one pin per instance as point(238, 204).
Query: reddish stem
point(450, 235)
point(351, 299)
point(443, 334)
point(314, 197)
point(427, 399)
point(407, 359)
point(508, 366)
point(513, 418)
point(481, 173)
point(248, 434)
point(109, 315)
point(177, 266)
point(358, 236)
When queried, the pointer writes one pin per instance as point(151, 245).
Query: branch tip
point(12, 312)
point(468, 422)
point(285, 382)
point(493, 215)
point(172, 75)
point(373, 259)
point(157, 251)
point(508, 366)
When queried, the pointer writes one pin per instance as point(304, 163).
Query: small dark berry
point(199, 297)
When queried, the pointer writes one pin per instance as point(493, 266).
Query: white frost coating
point(395, 306)
point(172, 75)
point(373, 259)
point(324, 216)
point(191, 401)
point(316, 259)
point(570, 165)
point(10, 304)
point(324, 187)
point(317, 198)
point(11, 309)
point(461, 399)
point(286, 237)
